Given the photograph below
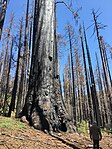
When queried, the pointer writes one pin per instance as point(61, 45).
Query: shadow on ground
point(65, 142)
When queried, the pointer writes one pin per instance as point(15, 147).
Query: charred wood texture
point(3, 6)
point(93, 86)
point(15, 86)
point(43, 108)
point(104, 64)
point(86, 77)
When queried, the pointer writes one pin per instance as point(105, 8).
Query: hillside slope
point(17, 135)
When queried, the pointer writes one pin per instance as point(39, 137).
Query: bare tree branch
point(75, 14)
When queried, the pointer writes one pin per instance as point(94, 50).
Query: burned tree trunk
point(41, 104)
point(68, 89)
point(86, 77)
point(3, 6)
point(103, 108)
point(8, 79)
point(23, 78)
point(93, 86)
point(14, 90)
point(73, 78)
point(108, 85)
point(6, 71)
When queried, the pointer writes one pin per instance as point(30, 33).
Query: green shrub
point(83, 127)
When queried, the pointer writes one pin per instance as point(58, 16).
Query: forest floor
point(17, 135)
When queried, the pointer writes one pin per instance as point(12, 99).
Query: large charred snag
point(41, 103)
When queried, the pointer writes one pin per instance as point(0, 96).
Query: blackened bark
point(108, 89)
point(93, 86)
point(3, 6)
point(23, 77)
point(103, 109)
point(87, 83)
point(6, 66)
point(14, 90)
point(106, 59)
point(8, 77)
point(73, 79)
point(41, 103)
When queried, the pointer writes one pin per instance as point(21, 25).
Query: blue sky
point(64, 16)
point(105, 7)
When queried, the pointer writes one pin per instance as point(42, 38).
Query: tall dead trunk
point(1, 58)
point(67, 90)
point(41, 104)
point(103, 108)
point(14, 90)
point(93, 86)
point(5, 67)
point(15, 86)
point(7, 83)
point(86, 77)
point(73, 79)
point(3, 5)
point(23, 78)
point(79, 79)
point(108, 89)
point(29, 53)
point(106, 60)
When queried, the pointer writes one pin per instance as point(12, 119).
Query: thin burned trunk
point(23, 78)
point(73, 79)
point(3, 5)
point(29, 54)
point(7, 84)
point(67, 90)
point(78, 71)
point(1, 59)
point(87, 83)
point(103, 109)
point(106, 60)
point(5, 67)
point(14, 90)
point(4, 72)
point(93, 87)
point(108, 89)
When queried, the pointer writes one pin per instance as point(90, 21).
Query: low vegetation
point(11, 123)
point(15, 134)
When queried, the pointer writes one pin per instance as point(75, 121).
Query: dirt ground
point(30, 138)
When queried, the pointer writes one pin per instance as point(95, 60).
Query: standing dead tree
point(86, 77)
point(96, 111)
point(99, 38)
point(15, 86)
point(70, 33)
point(8, 78)
point(68, 93)
point(41, 107)
point(103, 105)
point(6, 66)
point(3, 7)
point(23, 78)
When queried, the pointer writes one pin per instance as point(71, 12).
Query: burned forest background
point(31, 83)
